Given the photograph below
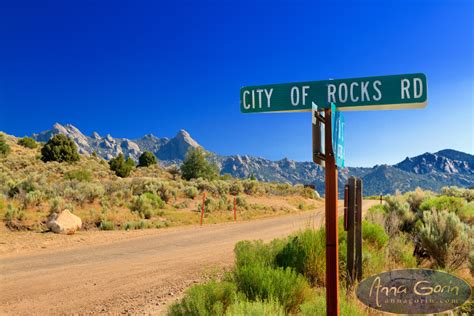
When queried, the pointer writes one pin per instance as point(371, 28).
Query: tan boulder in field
point(64, 222)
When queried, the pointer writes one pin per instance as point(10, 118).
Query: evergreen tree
point(60, 148)
point(147, 159)
point(195, 165)
point(120, 166)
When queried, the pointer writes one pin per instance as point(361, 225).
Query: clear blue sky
point(134, 67)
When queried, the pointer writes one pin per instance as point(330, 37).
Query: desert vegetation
point(287, 276)
point(117, 194)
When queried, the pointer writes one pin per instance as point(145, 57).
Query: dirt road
point(140, 275)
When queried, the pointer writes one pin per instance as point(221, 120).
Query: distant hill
point(429, 170)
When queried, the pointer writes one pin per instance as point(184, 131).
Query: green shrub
point(4, 147)
point(441, 203)
point(466, 213)
point(257, 308)
point(130, 226)
point(397, 215)
point(222, 187)
point(23, 187)
point(120, 166)
point(147, 159)
point(236, 188)
point(146, 205)
point(257, 252)
point(445, 239)
point(79, 175)
point(33, 198)
point(467, 194)
point(241, 201)
point(206, 186)
point(257, 281)
point(374, 234)
point(250, 186)
point(305, 252)
point(56, 205)
point(317, 306)
point(310, 193)
point(195, 165)
point(401, 252)
point(376, 214)
point(27, 142)
point(13, 214)
point(106, 225)
point(208, 299)
point(416, 198)
point(190, 192)
point(60, 148)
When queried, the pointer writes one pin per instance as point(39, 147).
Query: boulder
point(64, 222)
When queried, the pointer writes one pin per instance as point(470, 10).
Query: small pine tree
point(4, 148)
point(60, 148)
point(27, 142)
point(195, 165)
point(147, 159)
point(120, 166)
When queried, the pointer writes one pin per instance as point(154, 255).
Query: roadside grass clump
point(445, 239)
point(374, 234)
point(106, 225)
point(147, 205)
point(142, 224)
point(27, 142)
point(13, 213)
point(441, 203)
point(376, 214)
point(317, 306)
point(305, 252)
point(79, 175)
point(258, 281)
point(256, 308)
point(257, 252)
point(211, 299)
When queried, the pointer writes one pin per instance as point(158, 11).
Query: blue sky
point(132, 68)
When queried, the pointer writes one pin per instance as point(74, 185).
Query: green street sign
point(369, 93)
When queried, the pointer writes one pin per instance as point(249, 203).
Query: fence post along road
point(326, 99)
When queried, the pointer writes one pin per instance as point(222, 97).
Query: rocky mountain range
point(428, 171)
